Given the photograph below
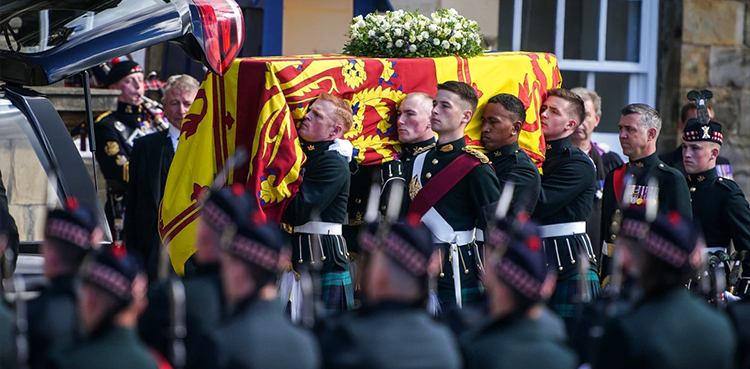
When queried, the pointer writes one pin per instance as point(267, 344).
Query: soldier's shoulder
point(728, 185)
point(664, 168)
point(477, 154)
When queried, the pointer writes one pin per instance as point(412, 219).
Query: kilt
point(565, 298)
point(337, 291)
point(471, 284)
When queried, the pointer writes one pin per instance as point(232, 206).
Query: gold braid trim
point(102, 116)
point(478, 154)
point(126, 172)
point(423, 149)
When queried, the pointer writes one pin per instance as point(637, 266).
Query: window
point(605, 45)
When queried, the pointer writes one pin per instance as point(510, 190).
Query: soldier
point(393, 330)
point(639, 129)
point(517, 283)
point(414, 128)
point(112, 296)
point(674, 158)
point(719, 205)
point(568, 188)
point(256, 333)
point(451, 204)
point(645, 336)
point(204, 302)
point(115, 132)
point(319, 209)
point(70, 234)
point(604, 159)
point(502, 119)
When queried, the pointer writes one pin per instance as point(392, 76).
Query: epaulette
point(102, 116)
point(424, 149)
point(728, 183)
point(478, 154)
point(664, 167)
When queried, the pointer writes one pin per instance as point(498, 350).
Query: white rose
point(399, 43)
point(446, 45)
point(432, 28)
point(389, 45)
point(435, 42)
point(397, 32)
point(385, 27)
point(412, 48)
point(371, 33)
point(452, 11)
point(458, 26)
point(425, 35)
point(419, 38)
point(412, 38)
point(456, 45)
point(381, 39)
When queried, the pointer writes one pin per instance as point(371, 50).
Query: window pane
point(613, 89)
point(623, 30)
point(539, 25)
point(505, 26)
point(581, 29)
point(572, 79)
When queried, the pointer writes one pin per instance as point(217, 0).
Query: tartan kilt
point(337, 291)
point(471, 284)
point(565, 298)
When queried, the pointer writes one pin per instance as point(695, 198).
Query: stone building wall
point(706, 44)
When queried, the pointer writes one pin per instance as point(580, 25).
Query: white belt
point(714, 249)
point(562, 229)
point(459, 238)
point(479, 235)
point(319, 228)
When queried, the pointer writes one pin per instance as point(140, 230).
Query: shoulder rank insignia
point(112, 148)
point(414, 187)
point(423, 149)
point(478, 154)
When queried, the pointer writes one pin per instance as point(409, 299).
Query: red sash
point(618, 180)
point(442, 182)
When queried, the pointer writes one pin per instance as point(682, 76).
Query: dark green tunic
point(7, 340)
point(114, 348)
point(512, 164)
point(204, 307)
point(568, 184)
point(389, 335)
point(722, 211)
point(258, 335)
point(516, 342)
point(462, 207)
point(669, 329)
point(673, 194)
point(53, 322)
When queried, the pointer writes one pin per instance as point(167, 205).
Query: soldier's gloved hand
point(343, 147)
point(390, 170)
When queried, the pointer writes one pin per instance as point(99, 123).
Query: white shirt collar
point(174, 135)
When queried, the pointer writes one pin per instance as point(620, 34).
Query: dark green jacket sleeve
point(321, 184)
point(107, 156)
point(569, 180)
point(527, 185)
point(738, 214)
point(484, 190)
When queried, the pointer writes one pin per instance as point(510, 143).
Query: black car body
point(42, 42)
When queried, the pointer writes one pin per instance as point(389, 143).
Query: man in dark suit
point(149, 165)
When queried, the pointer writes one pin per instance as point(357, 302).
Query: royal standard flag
point(257, 104)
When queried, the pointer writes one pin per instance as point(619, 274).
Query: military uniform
point(204, 307)
point(115, 348)
point(388, 335)
point(722, 211)
point(568, 189)
point(115, 132)
point(516, 342)
point(53, 321)
point(258, 335)
point(646, 336)
point(512, 164)
point(605, 161)
point(672, 193)
point(7, 339)
point(324, 193)
point(739, 312)
point(457, 213)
